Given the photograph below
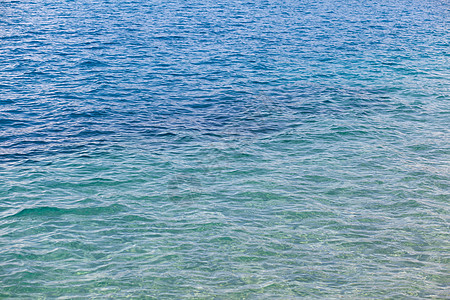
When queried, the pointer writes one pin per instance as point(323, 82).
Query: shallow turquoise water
point(229, 150)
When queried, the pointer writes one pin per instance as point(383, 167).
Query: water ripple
point(230, 149)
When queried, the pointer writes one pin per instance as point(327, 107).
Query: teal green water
point(224, 150)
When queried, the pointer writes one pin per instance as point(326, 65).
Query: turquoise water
point(224, 149)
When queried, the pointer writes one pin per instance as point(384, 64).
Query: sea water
point(239, 149)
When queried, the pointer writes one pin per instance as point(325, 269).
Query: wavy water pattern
point(224, 149)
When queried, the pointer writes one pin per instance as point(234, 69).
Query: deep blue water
point(224, 149)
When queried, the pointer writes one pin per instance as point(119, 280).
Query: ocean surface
point(239, 149)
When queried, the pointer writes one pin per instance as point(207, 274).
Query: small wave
point(49, 211)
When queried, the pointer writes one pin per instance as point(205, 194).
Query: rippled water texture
point(224, 149)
